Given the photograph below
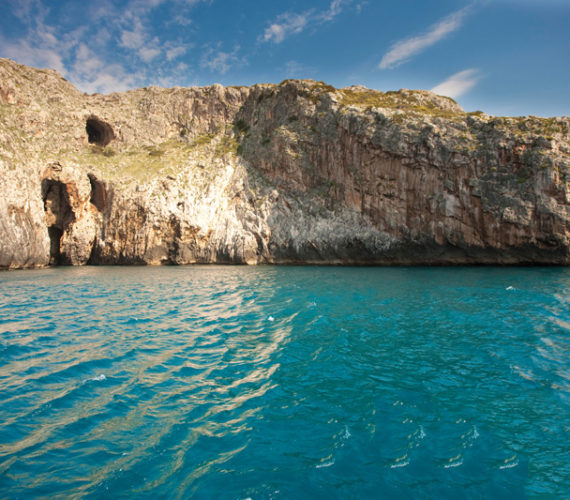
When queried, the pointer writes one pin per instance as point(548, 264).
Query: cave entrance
point(58, 215)
point(99, 195)
point(98, 132)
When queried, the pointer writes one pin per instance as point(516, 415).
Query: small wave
point(400, 462)
point(510, 288)
point(561, 323)
point(271, 318)
point(509, 463)
point(422, 433)
point(98, 378)
point(454, 462)
point(527, 375)
point(325, 464)
point(347, 433)
point(475, 433)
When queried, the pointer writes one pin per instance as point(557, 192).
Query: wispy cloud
point(26, 52)
point(41, 47)
point(404, 49)
point(147, 54)
point(219, 61)
point(458, 84)
point(133, 39)
point(92, 74)
point(285, 25)
point(28, 11)
point(175, 52)
point(112, 78)
point(138, 37)
point(296, 69)
point(290, 23)
point(182, 20)
point(119, 48)
point(335, 8)
point(136, 33)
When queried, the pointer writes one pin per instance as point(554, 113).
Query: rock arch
point(98, 131)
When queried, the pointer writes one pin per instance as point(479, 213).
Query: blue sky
point(505, 57)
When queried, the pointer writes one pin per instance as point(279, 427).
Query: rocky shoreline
point(295, 173)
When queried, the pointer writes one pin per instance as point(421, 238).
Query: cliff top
point(153, 129)
point(20, 83)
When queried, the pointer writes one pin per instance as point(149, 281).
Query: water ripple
point(292, 382)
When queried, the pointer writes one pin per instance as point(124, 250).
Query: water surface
point(285, 382)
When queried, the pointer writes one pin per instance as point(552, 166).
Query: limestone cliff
point(295, 172)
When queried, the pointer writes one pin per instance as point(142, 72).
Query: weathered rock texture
point(293, 173)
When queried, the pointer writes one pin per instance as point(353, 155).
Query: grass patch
point(142, 164)
point(397, 100)
point(227, 145)
point(202, 140)
point(106, 151)
point(532, 125)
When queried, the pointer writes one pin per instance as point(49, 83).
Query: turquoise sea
point(285, 382)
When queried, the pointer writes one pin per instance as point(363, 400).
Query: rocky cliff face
point(296, 172)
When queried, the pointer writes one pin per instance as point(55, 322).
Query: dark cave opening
point(99, 194)
point(98, 132)
point(58, 216)
point(55, 234)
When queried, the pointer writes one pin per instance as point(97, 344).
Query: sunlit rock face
point(298, 172)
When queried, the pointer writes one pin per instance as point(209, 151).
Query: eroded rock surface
point(298, 172)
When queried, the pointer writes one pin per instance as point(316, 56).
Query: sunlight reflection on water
point(244, 382)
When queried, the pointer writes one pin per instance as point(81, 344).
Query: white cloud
point(131, 39)
point(86, 62)
point(28, 11)
point(335, 8)
point(28, 53)
point(138, 8)
point(220, 61)
point(135, 38)
point(182, 20)
point(403, 50)
point(138, 39)
point(147, 54)
point(175, 52)
point(102, 9)
point(86, 53)
point(292, 24)
point(48, 38)
point(458, 84)
point(286, 24)
point(113, 78)
point(92, 74)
